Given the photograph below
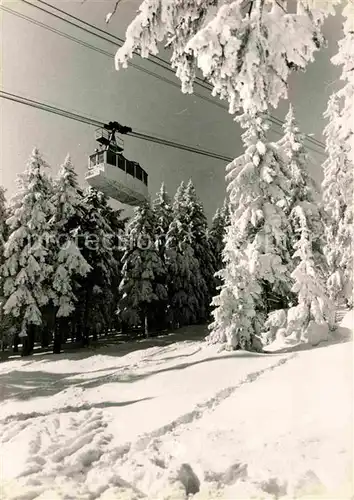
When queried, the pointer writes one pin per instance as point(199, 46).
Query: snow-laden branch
point(246, 54)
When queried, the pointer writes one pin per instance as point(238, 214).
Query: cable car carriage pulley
point(113, 174)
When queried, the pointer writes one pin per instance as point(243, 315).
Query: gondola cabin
point(113, 174)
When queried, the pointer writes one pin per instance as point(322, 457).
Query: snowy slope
point(174, 419)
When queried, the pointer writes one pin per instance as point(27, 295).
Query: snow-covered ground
point(178, 419)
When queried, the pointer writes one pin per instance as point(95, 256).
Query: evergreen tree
point(4, 321)
point(142, 287)
point(162, 208)
point(27, 268)
point(338, 171)
point(187, 288)
point(337, 192)
point(259, 235)
point(198, 229)
point(114, 242)
point(3, 230)
point(95, 231)
point(216, 236)
point(313, 303)
point(235, 315)
point(68, 260)
point(306, 221)
point(303, 192)
point(3, 217)
point(163, 214)
point(345, 58)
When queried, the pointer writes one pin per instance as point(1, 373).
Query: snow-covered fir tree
point(116, 239)
point(345, 59)
point(303, 191)
point(162, 208)
point(27, 267)
point(68, 261)
point(143, 290)
point(216, 236)
point(234, 45)
point(259, 231)
point(306, 222)
point(338, 171)
point(4, 320)
point(96, 239)
point(198, 230)
point(236, 320)
point(186, 284)
point(3, 225)
point(313, 303)
point(292, 146)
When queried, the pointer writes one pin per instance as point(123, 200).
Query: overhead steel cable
point(155, 59)
point(110, 55)
point(97, 123)
point(159, 61)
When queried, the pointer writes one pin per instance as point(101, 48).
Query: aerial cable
point(117, 43)
point(155, 59)
point(110, 55)
point(159, 61)
point(100, 124)
point(97, 123)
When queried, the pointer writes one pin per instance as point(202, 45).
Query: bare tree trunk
point(57, 338)
point(146, 326)
point(26, 351)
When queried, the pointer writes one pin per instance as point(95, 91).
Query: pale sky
point(43, 66)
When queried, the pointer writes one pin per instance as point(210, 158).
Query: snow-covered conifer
point(313, 302)
point(217, 233)
point(301, 208)
point(4, 323)
point(186, 284)
point(292, 145)
point(68, 260)
point(96, 239)
point(259, 231)
point(27, 268)
point(142, 288)
point(198, 230)
point(345, 58)
point(302, 192)
point(3, 225)
point(236, 320)
point(163, 214)
point(338, 171)
point(258, 188)
point(115, 244)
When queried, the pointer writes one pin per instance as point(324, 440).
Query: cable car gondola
point(113, 174)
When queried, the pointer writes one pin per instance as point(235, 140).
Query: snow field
point(169, 421)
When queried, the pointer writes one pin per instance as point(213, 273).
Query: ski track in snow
point(63, 449)
point(200, 409)
point(68, 450)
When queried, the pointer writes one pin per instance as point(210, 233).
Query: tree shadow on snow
point(75, 409)
point(131, 377)
point(23, 385)
point(122, 348)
